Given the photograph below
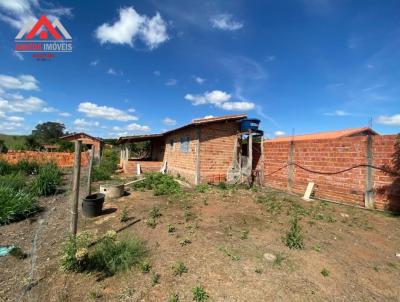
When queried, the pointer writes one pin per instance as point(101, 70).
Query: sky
point(140, 67)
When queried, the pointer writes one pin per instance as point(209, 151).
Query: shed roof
point(195, 122)
point(326, 135)
point(72, 135)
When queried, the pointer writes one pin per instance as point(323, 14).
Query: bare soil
point(229, 234)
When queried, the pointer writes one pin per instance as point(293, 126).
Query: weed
point(244, 234)
point(5, 167)
point(71, 260)
point(145, 266)
point(222, 186)
point(124, 215)
point(199, 294)
point(184, 242)
point(318, 216)
point(18, 253)
point(151, 222)
point(317, 248)
point(179, 268)
point(205, 201)
point(173, 298)
point(154, 212)
point(202, 188)
point(294, 238)
point(171, 229)
point(155, 279)
point(279, 259)
point(375, 268)
point(188, 215)
point(230, 254)
point(258, 270)
point(330, 219)
point(297, 210)
point(271, 202)
point(26, 166)
point(94, 295)
point(47, 180)
point(325, 272)
point(392, 265)
point(161, 184)
point(15, 205)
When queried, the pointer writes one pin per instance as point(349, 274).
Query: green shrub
point(294, 238)
point(75, 253)
point(110, 256)
point(47, 180)
point(5, 167)
point(28, 167)
point(179, 268)
point(174, 298)
point(271, 202)
point(16, 181)
point(15, 205)
point(101, 173)
point(161, 184)
point(325, 272)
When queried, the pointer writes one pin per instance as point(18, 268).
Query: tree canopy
point(48, 132)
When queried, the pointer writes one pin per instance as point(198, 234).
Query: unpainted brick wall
point(216, 150)
point(330, 156)
point(145, 166)
point(62, 159)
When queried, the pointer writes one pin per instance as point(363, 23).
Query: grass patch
point(15, 205)
point(279, 259)
point(124, 215)
point(294, 238)
point(47, 180)
point(108, 256)
point(171, 229)
point(16, 181)
point(145, 266)
point(173, 298)
point(230, 254)
point(202, 188)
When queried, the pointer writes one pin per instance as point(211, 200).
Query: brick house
point(87, 140)
point(204, 151)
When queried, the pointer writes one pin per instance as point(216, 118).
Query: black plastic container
point(92, 205)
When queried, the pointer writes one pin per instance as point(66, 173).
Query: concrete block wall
point(62, 159)
point(330, 156)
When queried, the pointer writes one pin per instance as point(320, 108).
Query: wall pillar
point(197, 177)
point(290, 167)
point(369, 177)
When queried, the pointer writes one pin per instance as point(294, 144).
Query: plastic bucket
point(92, 205)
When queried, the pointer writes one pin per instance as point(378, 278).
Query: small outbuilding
point(88, 140)
point(208, 150)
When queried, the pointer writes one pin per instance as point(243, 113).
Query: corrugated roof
point(194, 122)
point(326, 135)
point(80, 133)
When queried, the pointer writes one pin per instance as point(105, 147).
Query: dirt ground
point(229, 234)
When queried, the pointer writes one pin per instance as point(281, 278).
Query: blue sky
point(146, 66)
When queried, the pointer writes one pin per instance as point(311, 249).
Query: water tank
point(247, 124)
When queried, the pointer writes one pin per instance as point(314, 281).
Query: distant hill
point(13, 142)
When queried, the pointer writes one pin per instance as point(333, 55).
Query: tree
point(3, 147)
point(48, 132)
point(31, 143)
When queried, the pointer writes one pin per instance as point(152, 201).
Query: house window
point(185, 144)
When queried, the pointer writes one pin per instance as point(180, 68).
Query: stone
point(269, 257)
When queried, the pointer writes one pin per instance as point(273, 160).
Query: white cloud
point(137, 128)
point(279, 133)
point(157, 73)
point(270, 59)
point(169, 121)
point(171, 82)
point(65, 114)
point(131, 110)
point(220, 99)
point(111, 71)
point(15, 119)
point(337, 113)
point(18, 103)
point(130, 26)
point(22, 82)
point(94, 63)
point(105, 112)
point(226, 22)
point(82, 123)
point(393, 120)
point(199, 80)
point(17, 13)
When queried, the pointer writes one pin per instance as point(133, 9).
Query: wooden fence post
point(75, 188)
point(89, 184)
point(369, 180)
point(198, 168)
